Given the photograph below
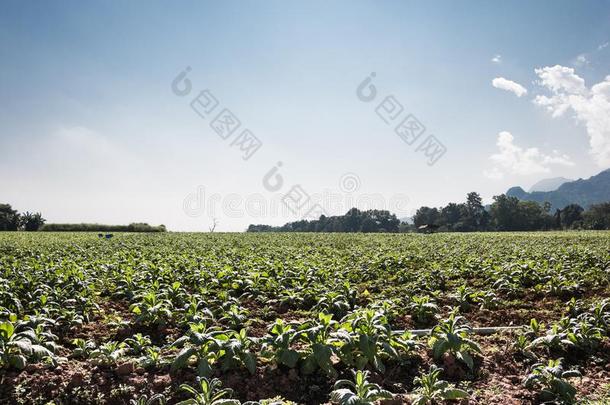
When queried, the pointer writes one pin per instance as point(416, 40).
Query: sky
point(288, 109)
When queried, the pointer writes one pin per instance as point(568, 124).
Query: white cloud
point(514, 159)
point(508, 85)
point(497, 59)
point(591, 107)
point(602, 46)
point(581, 60)
point(561, 79)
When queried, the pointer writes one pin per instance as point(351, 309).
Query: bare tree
point(215, 222)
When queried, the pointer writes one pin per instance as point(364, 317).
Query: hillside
point(593, 190)
point(549, 184)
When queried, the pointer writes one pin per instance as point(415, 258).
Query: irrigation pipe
point(476, 331)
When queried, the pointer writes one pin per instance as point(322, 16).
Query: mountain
point(406, 220)
point(549, 184)
point(594, 190)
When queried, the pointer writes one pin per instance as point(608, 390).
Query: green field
point(89, 320)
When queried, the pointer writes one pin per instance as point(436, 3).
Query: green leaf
point(203, 368)
point(439, 348)
point(289, 357)
point(39, 351)
point(6, 330)
point(454, 393)
point(18, 361)
point(322, 354)
point(309, 365)
point(249, 361)
point(182, 359)
point(343, 396)
point(466, 358)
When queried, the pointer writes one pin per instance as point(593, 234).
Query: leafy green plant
point(235, 316)
point(534, 329)
point(334, 303)
point(422, 309)
point(108, 353)
point(600, 315)
point(431, 389)
point(152, 309)
point(466, 298)
point(201, 343)
point(488, 300)
point(237, 351)
point(551, 379)
point(19, 347)
point(357, 392)
point(278, 400)
point(195, 310)
point(574, 307)
point(208, 392)
point(277, 345)
point(152, 358)
point(322, 343)
point(585, 336)
point(157, 399)
point(369, 341)
point(369, 331)
point(555, 339)
point(83, 348)
point(138, 343)
point(523, 345)
point(451, 336)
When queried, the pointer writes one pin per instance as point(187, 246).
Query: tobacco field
point(305, 318)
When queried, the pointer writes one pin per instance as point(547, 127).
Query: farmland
point(140, 316)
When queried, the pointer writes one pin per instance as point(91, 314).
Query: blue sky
point(91, 131)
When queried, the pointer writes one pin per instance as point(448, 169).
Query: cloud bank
point(514, 159)
point(590, 106)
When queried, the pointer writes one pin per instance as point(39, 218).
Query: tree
point(511, 214)
point(352, 220)
point(383, 221)
point(504, 212)
point(9, 218)
point(547, 207)
point(426, 216)
point(598, 216)
point(570, 214)
point(477, 217)
point(451, 216)
point(531, 216)
point(31, 222)
point(212, 228)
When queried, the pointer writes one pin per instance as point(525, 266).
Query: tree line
point(506, 213)
point(133, 227)
point(12, 220)
point(353, 221)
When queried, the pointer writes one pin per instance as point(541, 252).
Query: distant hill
point(406, 220)
point(593, 190)
point(549, 184)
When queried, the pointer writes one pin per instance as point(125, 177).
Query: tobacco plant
point(451, 336)
point(201, 343)
point(278, 343)
point(208, 392)
point(431, 389)
point(357, 392)
point(552, 381)
point(20, 345)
